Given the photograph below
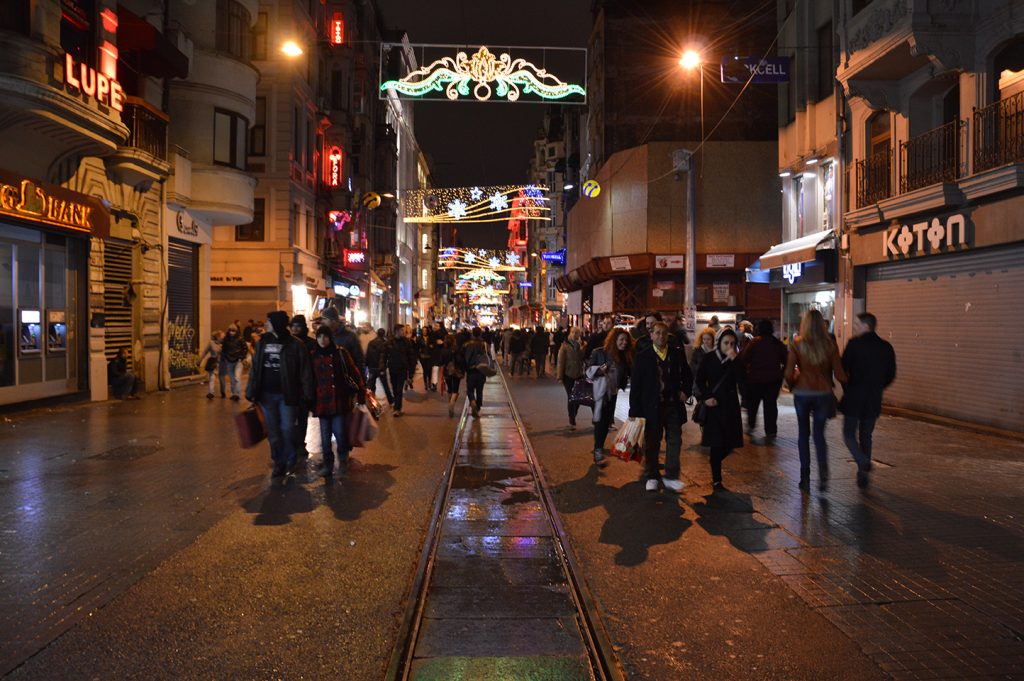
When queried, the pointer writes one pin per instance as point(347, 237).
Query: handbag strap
point(718, 385)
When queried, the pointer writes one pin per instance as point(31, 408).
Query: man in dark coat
point(763, 360)
point(475, 353)
point(400, 358)
point(280, 380)
point(377, 364)
point(300, 329)
point(661, 383)
point(870, 363)
point(539, 348)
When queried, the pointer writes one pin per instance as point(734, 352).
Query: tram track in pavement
point(498, 592)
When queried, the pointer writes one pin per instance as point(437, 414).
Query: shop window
point(826, 68)
point(258, 131)
point(233, 35)
point(77, 22)
point(14, 16)
point(229, 133)
point(259, 37)
point(254, 230)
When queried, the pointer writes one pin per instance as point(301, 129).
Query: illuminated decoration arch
point(479, 259)
point(482, 75)
point(491, 204)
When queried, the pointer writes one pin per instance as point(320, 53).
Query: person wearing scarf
point(338, 384)
point(716, 385)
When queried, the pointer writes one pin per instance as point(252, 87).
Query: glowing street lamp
point(690, 60)
point(290, 48)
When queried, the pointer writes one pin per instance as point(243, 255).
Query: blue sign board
point(556, 257)
point(526, 284)
point(765, 71)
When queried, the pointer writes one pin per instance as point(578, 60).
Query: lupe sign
point(759, 71)
point(928, 237)
point(27, 199)
point(93, 84)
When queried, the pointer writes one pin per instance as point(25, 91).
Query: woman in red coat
point(338, 384)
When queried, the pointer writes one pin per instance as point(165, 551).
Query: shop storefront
point(805, 271)
point(946, 289)
point(188, 291)
point(44, 247)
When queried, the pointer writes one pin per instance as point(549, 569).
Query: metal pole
point(690, 307)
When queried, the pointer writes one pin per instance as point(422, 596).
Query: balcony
point(999, 133)
point(934, 157)
point(143, 157)
point(874, 179)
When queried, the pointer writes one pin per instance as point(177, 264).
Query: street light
point(290, 48)
point(684, 161)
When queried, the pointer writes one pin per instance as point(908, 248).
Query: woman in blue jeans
point(338, 384)
point(812, 366)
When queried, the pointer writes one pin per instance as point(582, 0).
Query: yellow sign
point(56, 206)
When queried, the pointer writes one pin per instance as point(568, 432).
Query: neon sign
point(354, 257)
point(337, 35)
point(792, 272)
point(500, 75)
point(92, 83)
point(334, 159)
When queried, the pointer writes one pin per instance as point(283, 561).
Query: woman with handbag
point(451, 362)
point(569, 369)
point(337, 384)
point(610, 367)
point(812, 365)
point(718, 402)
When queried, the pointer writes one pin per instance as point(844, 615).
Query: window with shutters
point(118, 298)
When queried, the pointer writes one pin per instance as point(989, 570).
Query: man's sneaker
point(673, 485)
point(717, 486)
point(222, 396)
point(599, 456)
point(278, 471)
point(652, 485)
point(398, 412)
point(324, 472)
point(474, 408)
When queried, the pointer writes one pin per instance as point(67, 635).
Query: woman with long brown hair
point(610, 366)
point(812, 365)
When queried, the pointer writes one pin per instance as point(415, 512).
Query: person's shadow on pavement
point(637, 520)
point(276, 504)
point(364, 488)
point(731, 515)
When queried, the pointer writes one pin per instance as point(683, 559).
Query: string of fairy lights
point(476, 204)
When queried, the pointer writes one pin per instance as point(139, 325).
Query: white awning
point(803, 249)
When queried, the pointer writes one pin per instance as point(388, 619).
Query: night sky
point(473, 143)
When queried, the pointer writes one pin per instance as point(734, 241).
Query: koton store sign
point(929, 237)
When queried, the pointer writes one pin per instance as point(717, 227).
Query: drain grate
point(127, 453)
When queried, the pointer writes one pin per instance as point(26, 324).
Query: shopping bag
point(582, 392)
point(359, 427)
point(629, 442)
point(435, 375)
point(250, 426)
point(373, 405)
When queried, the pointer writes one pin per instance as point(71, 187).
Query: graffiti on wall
point(183, 346)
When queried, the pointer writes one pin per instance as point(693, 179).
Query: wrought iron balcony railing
point(147, 127)
point(936, 156)
point(999, 133)
point(874, 179)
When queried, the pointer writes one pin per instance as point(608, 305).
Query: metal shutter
point(117, 297)
point(182, 303)
point(956, 326)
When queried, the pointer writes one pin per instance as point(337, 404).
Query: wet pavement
point(919, 576)
point(497, 603)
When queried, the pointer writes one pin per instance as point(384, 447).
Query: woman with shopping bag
point(609, 370)
point(569, 369)
point(338, 384)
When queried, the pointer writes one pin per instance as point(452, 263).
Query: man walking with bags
point(660, 386)
point(870, 364)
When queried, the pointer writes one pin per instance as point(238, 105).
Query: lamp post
point(683, 161)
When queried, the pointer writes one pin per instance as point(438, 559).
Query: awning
point(798, 250)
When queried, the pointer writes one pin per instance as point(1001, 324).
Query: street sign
point(766, 71)
point(556, 257)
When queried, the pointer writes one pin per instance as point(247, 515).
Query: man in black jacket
point(660, 385)
point(400, 358)
point(475, 354)
point(377, 364)
point(233, 350)
point(539, 348)
point(763, 360)
point(870, 363)
point(280, 380)
point(300, 330)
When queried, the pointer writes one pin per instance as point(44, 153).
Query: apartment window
point(879, 134)
point(309, 146)
point(229, 133)
point(258, 131)
point(77, 21)
point(233, 36)
point(254, 230)
point(296, 136)
point(826, 69)
point(14, 16)
point(259, 37)
point(310, 232)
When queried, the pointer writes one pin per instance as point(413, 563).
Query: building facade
point(934, 234)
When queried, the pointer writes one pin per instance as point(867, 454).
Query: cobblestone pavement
point(923, 572)
point(139, 541)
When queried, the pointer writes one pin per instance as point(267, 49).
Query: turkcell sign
point(765, 71)
point(557, 257)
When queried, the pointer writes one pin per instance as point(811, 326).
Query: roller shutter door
point(117, 298)
point(955, 322)
point(182, 304)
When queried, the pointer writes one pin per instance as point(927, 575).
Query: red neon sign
point(337, 27)
point(334, 167)
point(355, 257)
